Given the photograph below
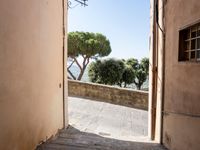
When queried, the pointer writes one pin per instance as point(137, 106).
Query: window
point(189, 43)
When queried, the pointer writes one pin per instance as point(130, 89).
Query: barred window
point(189, 43)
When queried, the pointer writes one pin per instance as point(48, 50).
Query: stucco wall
point(120, 96)
point(31, 69)
point(181, 126)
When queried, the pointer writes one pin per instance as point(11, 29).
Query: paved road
point(102, 126)
point(107, 120)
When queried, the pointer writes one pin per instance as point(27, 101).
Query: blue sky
point(124, 22)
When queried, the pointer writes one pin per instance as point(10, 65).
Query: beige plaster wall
point(114, 95)
point(31, 72)
point(181, 124)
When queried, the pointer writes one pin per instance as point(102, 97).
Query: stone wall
point(114, 95)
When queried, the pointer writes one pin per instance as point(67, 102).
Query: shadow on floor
point(74, 139)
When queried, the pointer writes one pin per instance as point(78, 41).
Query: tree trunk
point(125, 85)
point(81, 73)
point(82, 68)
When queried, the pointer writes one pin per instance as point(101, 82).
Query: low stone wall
point(104, 93)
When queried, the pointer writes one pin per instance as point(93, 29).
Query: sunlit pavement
point(102, 126)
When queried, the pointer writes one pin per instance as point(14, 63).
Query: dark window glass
point(192, 55)
point(194, 32)
point(186, 34)
point(186, 56)
point(193, 44)
point(198, 43)
point(198, 54)
point(198, 32)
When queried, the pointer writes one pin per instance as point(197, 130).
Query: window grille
point(189, 43)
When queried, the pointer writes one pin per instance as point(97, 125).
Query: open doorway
point(117, 118)
point(127, 32)
point(117, 26)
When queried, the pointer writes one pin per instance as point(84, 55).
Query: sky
point(126, 23)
